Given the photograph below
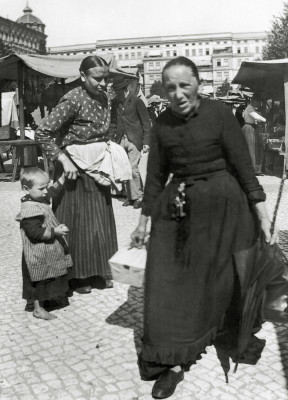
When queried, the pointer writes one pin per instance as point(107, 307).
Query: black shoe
point(166, 384)
point(137, 204)
point(83, 290)
point(127, 203)
point(108, 284)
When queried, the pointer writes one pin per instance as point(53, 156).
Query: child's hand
point(61, 230)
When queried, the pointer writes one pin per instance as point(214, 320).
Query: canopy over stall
point(268, 78)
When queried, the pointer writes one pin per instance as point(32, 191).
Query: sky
point(85, 21)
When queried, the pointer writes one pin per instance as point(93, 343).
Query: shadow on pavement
point(130, 315)
point(282, 329)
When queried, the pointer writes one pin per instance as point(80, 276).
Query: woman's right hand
point(138, 237)
point(70, 171)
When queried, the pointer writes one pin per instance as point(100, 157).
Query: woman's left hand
point(266, 226)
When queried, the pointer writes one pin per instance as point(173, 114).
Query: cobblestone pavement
point(89, 352)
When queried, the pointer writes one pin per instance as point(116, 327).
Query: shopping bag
point(128, 265)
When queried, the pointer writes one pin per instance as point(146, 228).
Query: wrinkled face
point(181, 88)
point(39, 189)
point(95, 79)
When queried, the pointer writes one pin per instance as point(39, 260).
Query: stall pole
point(0, 107)
point(286, 114)
point(21, 101)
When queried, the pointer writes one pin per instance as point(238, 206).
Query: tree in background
point(223, 89)
point(5, 50)
point(157, 89)
point(277, 38)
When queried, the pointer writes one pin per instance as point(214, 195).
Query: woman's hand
point(70, 171)
point(266, 224)
point(139, 235)
point(266, 227)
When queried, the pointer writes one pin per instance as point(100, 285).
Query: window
point(126, 48)
point(132, 55)
point(151, 47)
point(239, 62)
point(245, 49)
point(157, 45)
point(187, 53)
point(174, 45)
point(207, 52)
point(193, 44)
point(238, 50)
point(103, 49)
point(219, 76)
point(120, 57)
point(257, 49)
point(200, 44)
point(186, 44)
point(218, 63)
point(226, 76)
point(200, 52)
point(150, 66)
point(126, 56)
point(167, 53)
point(110, 49)
point(138, 47)
point(193, 52)
point(158, 65)
point(139, 54)
point(167, 45)
point(151, 79)
point(158, 77)
point(225, 62)
point(207, 43)
point(119, 48)
point(174, 53)
point(132, 47)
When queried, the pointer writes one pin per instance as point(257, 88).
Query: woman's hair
point(92, 62)
point(182, 61)
point(29, 175)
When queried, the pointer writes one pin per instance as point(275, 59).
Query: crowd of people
point(212, 209)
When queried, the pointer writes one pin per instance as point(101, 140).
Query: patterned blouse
point(78, 118)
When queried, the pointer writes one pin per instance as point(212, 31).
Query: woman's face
point(181, 88)
point(95, 79)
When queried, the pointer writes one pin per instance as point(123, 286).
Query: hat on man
point(120, 82)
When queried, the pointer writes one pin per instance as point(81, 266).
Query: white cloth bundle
point(105, 162)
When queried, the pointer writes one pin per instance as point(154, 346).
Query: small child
point(45, 252)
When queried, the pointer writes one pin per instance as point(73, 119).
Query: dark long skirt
point(191, 270)
point(86, 209)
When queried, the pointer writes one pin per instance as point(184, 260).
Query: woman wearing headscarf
point(209, 212)
point(82, 117)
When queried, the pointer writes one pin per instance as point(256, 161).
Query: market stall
point(34, 74)
point(269, 80)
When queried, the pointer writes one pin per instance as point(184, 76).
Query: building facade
point(217, 55)
point(26, 35)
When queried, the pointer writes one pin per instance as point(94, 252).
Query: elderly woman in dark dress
point(82, 117)
point(200, 220)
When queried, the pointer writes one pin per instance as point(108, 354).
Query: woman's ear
point(82, 76)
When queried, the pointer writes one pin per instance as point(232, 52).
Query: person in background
point(82, 117)
point(131, 124)
point(45, 259)
point(200, 220)
point(253, 135)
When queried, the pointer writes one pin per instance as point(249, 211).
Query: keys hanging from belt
point(179, 203)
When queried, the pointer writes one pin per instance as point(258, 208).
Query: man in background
point(131, 123)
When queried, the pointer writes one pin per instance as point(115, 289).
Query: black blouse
point(209, 141)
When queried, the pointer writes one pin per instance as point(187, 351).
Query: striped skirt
point(86, 208)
